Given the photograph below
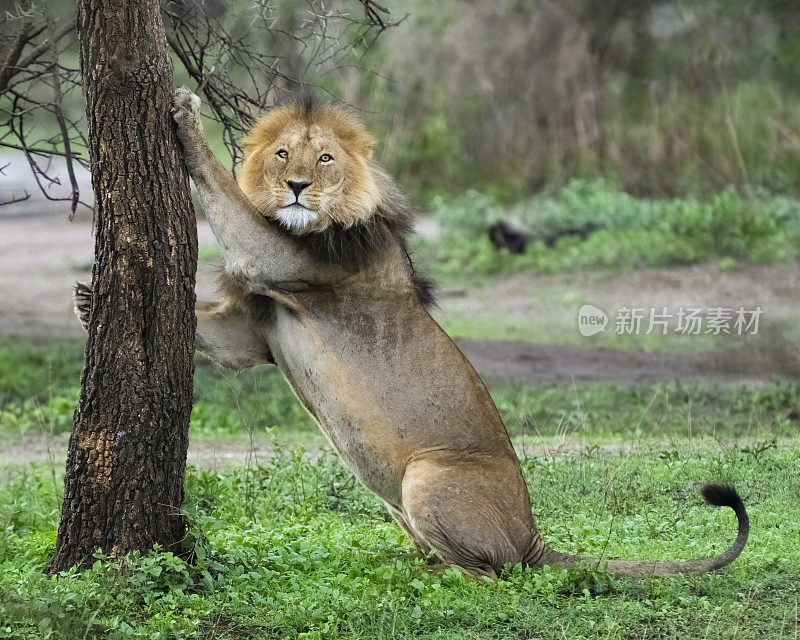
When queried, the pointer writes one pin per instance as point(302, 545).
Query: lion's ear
point(251, 142)
point(350, 131)
point(249, 147)
point(362, 139)
point(256, 139)
point(369, 147)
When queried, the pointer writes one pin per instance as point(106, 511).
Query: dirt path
point(216, 455)
point(546, 364)
point(42, 255)
point(222, 455)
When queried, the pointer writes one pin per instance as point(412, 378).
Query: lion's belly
point(388, 393)
point(364, 443)
point(354, 424)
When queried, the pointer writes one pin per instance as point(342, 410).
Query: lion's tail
point(716, 495)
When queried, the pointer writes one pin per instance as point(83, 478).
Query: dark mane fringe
point(306, 100)
point(309, 101)
point(426, 290)
point(356, 245)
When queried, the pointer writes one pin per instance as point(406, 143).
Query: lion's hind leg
point(421, 546)
point(454, 509)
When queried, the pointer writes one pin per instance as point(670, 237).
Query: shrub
point(632, 232)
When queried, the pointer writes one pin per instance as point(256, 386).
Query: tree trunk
point(127, 453)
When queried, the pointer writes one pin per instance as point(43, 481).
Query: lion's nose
point(297, 187)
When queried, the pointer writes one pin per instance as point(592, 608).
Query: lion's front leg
point(186, 113)
point(229, 211)
point(223, 333)
point(255, 250)
point(226, 336)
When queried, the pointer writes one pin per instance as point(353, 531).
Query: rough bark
point(127, 452)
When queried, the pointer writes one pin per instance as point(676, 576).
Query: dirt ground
point(203, 454)
point(222, 455)
point(43, 254)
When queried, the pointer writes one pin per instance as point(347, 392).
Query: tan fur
point(399, 402)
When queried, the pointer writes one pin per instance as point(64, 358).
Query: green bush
point(632, 232)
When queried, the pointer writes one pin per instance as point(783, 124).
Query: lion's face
point(308, 167)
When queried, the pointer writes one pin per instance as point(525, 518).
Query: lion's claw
point(82, 298)
point(185, 106)
point(186, 114)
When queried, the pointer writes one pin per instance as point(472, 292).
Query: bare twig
point(46, 153)
point(16, 199)
point(62, 124)
point(14, 53)
point(55, 36)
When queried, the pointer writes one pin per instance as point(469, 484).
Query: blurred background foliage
point(628, 232)
point(660, 98)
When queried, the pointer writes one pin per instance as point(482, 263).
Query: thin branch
point(76, 196)
point(65, 29)
point(14, 199)
point(14, 53)
point(45, 153)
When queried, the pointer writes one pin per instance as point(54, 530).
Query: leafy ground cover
point(297, 549)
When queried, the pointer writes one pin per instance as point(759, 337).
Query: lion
point(317, 280)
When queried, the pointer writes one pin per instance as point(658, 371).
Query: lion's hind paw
point(82, 298)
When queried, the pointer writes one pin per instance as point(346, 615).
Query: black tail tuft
point(720, 495)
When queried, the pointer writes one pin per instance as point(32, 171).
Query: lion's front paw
point(83, 302)
point(185, 108)
point(186, 113)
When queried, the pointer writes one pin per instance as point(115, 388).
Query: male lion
point(317, 280)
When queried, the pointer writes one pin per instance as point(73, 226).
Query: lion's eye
point(282, 153)
point(325, 157)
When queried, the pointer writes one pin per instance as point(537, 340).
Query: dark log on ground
point(506, 236)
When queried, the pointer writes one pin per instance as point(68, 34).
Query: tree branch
point(62, 125)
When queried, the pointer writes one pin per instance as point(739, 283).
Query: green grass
point(633, 232)
point(39, 387)
point(40, 384)
point(544, 310)
point(662, 412)
point(209, 254)
point(296, 549)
